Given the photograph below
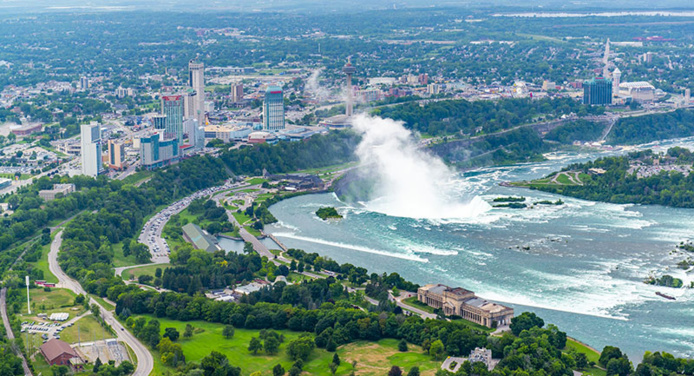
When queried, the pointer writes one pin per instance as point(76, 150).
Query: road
point(145, 362)
point(8, 329)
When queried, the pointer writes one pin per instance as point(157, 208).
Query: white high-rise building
point(91, 149)
point(197, 82)
point(616, 78)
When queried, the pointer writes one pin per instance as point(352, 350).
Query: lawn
point(149, 270)
point(373, 358)
point(592, 354)
point(253, 231)
point(241, 218)
point(86, 329)
point(256, 181)
point(42, 263)
point(296, 277)
point(249, 190)
point(56, 300)
point(262, 197)
point(120, 260)
point(107, 306)
point(412, 301)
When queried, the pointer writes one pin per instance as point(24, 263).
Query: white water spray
point(409, 182)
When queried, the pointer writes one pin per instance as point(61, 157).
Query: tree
point(171, 333)
point(300, 348)
point(217, 364)
point(59, 370)
point(525, 321)
point(608, 353)
point(331, 346)
point(333, 368)
point(188, 332)
point(271, 345)
point(402, 345)
point(278, 370)
point(395, 371)
point(436, 349)
point(581, 360)
point(97, 364)
point(255, 345)
point(336, 359)
point(228, 332)
point(619, 366)
point(414, 371)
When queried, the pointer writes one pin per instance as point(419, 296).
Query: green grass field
point(564, 179)
point(256, 181)
point(373, 358)
point(592, 354)
point(241, 218)
point(120, 260)
point(107, 306)
point(263, 197)
point(412, 301)
point(149, 270)
point(42, 263)
point(54, 301)
point(88, 330)
point(253, 231)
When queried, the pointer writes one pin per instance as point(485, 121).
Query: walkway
point(145, 362)
point(10, 334)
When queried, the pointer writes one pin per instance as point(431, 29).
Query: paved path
point(10, 334)
point(145, 362)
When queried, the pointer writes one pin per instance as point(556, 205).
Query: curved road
point(145, 362)
point(10, 334)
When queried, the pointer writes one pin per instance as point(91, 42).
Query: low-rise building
point(461, 302)
point(57, 352)
point(51, 194)
point(199, 238)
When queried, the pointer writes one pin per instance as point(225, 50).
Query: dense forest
point(616, 185)
point(318, 151)
point(648, 128)
point(579, 130)
point(461, 117)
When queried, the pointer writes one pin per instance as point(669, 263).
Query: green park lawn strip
point(143, 270)
point(253, 231)
point(373, 358)
point(42, 263)
point(86, 329)
point(297, 277)
point(241, 218)
point(249, 190)
point(412, 301)
point(119, 259)
point(107, 306)
point(263, 197)
point(592, 354)
point(562, 178)
point(256, 181)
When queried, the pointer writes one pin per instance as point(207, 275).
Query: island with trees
point(326, 213)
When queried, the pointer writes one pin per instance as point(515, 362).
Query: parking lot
point(151, 231)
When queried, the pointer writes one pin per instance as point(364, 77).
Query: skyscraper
point(172, 107)
point(155, 152)
point(273, 109)
point(91, 149)
point(236, 93)
point(597, 91)
point(349, 70)
point(197, 82)
point(159, 121)
point(84, 83)
point(616, 79)
point(116, 154)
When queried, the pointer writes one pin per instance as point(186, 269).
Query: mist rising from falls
point(408, 181)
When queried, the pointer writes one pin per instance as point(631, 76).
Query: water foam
point(408, 181)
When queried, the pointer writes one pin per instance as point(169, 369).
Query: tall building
point(687, 95)
point(91, 149)
point(159, 121)
point(116, 154)
point(197, 82)
point(349, 70)
point(236, 93)
point(155, 152)
point(606, 60)
point(616, 78)
point(273, 109)
point(84, 83)
point(189, 105)
point(172, 108)
point(597, 91)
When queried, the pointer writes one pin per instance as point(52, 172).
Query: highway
point(8, 329)
point(145, 362)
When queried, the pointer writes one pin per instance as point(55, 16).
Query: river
point(580, 265)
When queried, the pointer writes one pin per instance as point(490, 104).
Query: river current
point(580, 265)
